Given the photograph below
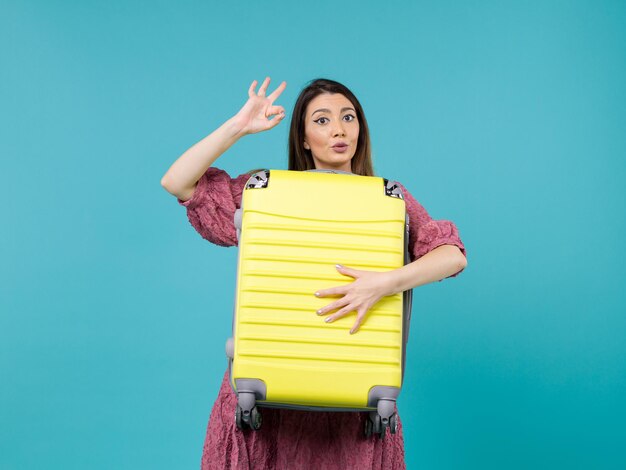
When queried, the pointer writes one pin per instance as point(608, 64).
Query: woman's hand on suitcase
point(360, 295)
point(253, 117)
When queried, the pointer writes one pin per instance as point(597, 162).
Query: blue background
point(508, 119)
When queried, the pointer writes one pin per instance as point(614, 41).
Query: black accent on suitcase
point(392, 189)
point(258, 180)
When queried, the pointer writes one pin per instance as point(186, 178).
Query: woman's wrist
point(405, 278)
point(235, 127)
point(390, 282)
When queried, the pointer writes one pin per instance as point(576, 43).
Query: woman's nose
point(338, 130)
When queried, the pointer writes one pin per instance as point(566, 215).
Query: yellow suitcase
point(293, 228)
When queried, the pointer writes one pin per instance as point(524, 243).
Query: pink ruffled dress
point(288, 439)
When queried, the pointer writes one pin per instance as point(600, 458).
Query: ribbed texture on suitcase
point(294, 233)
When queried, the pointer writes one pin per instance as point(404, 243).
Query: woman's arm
point(443, 261)
point(182, 177)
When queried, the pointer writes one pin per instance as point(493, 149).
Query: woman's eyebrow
point(328, 110)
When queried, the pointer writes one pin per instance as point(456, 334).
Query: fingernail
point(351, 332)
point(328, 320)
point(317, 294)
point(319, 312)
point(339, 266)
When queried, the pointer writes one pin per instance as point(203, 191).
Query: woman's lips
point(340, 148)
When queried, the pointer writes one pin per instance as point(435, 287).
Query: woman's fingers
point(274, 110)
point(278, 112)
point(276, 93)
point(346, 310)
point(330, 307)
point(251, 92)
point(348, 271)
point(274, 122)
point(339, 290)
point(341, 313)
point(359, 320)
point(272, 97)
point(264, 86)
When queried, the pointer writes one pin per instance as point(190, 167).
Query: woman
point(328, 131)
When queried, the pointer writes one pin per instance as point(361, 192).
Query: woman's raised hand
point(255, 114)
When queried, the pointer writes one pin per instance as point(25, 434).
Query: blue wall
point(509, 120)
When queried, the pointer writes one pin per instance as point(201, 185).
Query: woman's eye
point(350, 116)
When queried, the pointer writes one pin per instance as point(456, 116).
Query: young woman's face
point(330, 119)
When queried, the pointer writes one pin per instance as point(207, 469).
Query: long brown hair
point(300, 158)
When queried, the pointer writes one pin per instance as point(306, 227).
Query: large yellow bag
point(293, 228)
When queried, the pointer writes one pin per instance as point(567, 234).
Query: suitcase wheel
point(238, 420)
point(384, 424)
point(369, 427)
point(376, 426)
point(251, 420)
point(379, 426)
point(393, 423)
point(255, 419)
